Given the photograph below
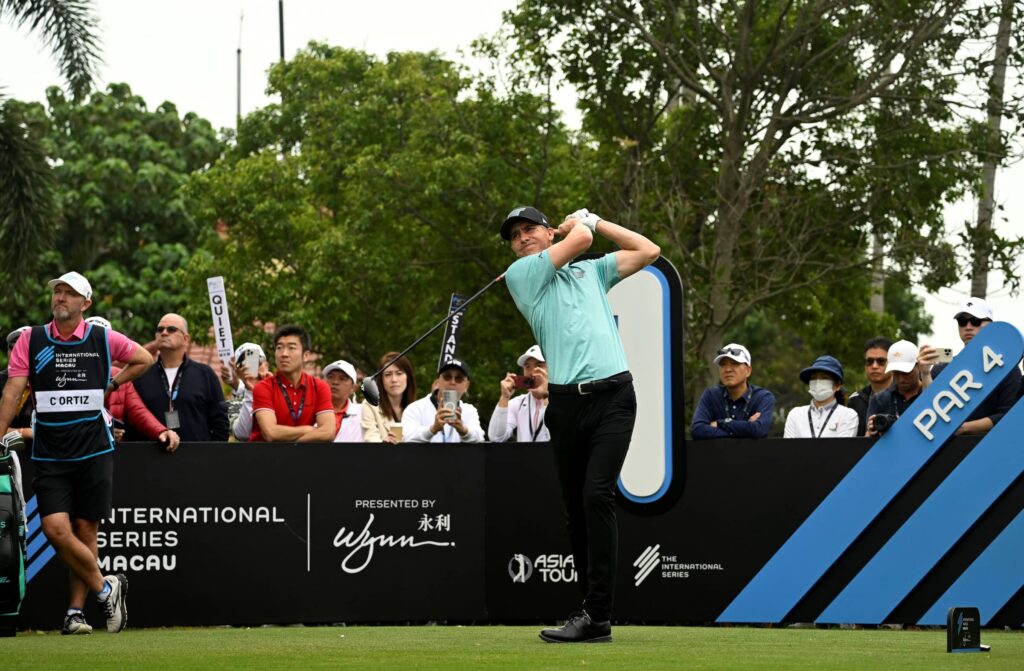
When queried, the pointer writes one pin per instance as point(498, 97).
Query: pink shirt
point(122, 348)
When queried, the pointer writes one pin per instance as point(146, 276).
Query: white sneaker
point(116, 606)
point(75, 625)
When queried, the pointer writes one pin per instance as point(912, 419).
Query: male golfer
point(592, 406)
point(67, 363)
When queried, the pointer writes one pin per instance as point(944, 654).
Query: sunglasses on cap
point(964, 320)
point(870, 361)
point(169, 329)
point(731, 351)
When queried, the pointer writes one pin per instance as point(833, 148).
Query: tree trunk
point(877, 276)
point(994, 155)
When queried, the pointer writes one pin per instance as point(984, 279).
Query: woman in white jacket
point(827, 416)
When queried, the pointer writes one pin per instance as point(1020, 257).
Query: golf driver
point(369, 386)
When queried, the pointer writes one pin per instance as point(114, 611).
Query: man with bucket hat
point(826, 416)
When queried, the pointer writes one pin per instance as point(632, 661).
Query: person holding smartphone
point(523, 415)
point(971, 317)
point(442, 416)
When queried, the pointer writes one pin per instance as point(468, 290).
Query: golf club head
point(370, 391)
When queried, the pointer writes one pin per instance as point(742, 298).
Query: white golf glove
point(587, 218)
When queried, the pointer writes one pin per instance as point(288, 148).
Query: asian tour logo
point(551, 568)
point(520, 568)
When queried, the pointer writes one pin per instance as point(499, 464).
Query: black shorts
point(82, 489)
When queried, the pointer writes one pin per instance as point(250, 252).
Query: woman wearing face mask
point(826, 416)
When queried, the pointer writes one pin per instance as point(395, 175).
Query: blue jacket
point(733, 416)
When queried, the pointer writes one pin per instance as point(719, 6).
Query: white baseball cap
point(245, 347)
point(342, 366)
point(99, 321)
point(902, 356)
point(734, 351)
point(74, 280)
point(532, 353)
point(975, 307)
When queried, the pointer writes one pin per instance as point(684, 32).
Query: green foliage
point(766, 145)
point(375, 189)
point(118, 177)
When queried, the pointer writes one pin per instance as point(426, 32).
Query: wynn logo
point(645, 563)
point(520, 568)
point(362, 544)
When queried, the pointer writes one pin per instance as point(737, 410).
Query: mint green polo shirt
point(569, 313)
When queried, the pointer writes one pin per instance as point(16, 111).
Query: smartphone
point(945, 354)
point(251, 359)
point(450, 401)
point(524, 382)
point(118, 424)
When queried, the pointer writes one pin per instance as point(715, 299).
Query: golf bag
point(12, 538)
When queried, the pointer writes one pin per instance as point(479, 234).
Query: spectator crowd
point(179, 400)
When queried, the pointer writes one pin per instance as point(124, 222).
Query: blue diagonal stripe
point(988, 583)
point(869, 487)
point(935, 527)
point(35, 545)
point(32, 526)
point(30, 506)
point(37, 565)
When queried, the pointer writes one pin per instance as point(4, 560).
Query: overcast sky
point(185, 52)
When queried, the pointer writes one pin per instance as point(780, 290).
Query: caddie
point(67, 362)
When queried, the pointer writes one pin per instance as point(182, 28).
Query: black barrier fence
point(258, 533)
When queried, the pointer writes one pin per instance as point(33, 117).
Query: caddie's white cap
point(975, 307)
point(74, 280)
point(532, 353)
point(902, 357)
point(734, 351)
point(99, 321)
point(342, 366)
point(246, 346)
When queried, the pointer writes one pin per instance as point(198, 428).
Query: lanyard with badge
point(529, 418)
point(171, 419)
point(824, 424)
point(287, 399)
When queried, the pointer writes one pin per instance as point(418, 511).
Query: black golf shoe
point(579, 629)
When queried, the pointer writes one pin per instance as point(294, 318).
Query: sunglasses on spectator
point(871, 361)
point(169, 329)
point(731, 351)
point(964, 321)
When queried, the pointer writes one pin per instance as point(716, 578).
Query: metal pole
point(280, 22)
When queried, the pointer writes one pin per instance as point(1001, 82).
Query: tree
point(120, 171)
point(375, 189)
point(28, 214)
point(764, 143)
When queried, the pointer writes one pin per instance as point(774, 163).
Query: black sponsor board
point(217, 534)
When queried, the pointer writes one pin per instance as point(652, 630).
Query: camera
point(884, 422)
point(524, 381)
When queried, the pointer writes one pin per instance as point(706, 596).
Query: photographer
point(885, 407)
point(524, 414)
point(431, 420)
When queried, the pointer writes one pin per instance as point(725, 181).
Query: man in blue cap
point(592, 405)
point(826, 416)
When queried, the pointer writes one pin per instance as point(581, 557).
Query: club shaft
point(439, 324)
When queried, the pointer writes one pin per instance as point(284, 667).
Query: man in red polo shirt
point(292, 406)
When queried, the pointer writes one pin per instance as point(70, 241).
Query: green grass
point(448, 647)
